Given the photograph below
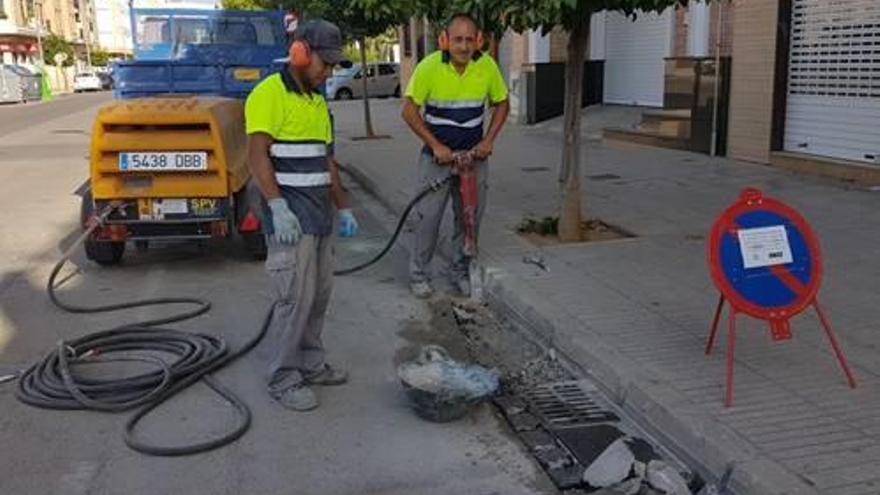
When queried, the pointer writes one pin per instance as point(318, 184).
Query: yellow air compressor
point(175, 168)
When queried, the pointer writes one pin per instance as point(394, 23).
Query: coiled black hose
point(53, 382)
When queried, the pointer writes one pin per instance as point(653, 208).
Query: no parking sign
point(765, 260)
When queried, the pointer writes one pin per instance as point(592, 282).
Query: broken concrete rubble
point(612, 467)
point(628, 487)
point(665, 478)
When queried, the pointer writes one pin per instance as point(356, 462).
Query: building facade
point(113, 26)
point(18, 33)
point(806, 86)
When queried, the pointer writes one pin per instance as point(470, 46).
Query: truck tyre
point(104, 253)
point(255, 244)
point(344, 94)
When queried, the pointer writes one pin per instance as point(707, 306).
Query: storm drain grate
point(567, 404)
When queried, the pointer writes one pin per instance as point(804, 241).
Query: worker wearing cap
point(453, 86)
point(289, 142)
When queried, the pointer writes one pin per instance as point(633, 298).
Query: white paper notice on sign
point(764, 246)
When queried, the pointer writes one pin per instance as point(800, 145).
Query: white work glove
point(348, 225)
point(287, 227)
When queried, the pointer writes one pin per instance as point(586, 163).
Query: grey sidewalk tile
point(843, 477)
point(779, 420)
point(843, 459)
point(796, 426)
point(781, 446)
point(828, 448)
point(871, 487)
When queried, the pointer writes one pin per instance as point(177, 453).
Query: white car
point(87, 81)
point(383, 79)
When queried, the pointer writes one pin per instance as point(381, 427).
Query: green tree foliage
point(100, 58)
point(245, 4)
point(53, 44)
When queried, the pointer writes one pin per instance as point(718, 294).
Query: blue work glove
point(287, 227)
point(348, 224)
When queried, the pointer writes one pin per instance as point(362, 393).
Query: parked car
point(87, 81)
point(106, 80)
point(18, 84)
point(383, 79)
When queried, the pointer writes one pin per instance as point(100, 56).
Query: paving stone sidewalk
point(634, 313)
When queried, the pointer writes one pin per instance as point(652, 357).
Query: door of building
point(634, 57)
point(833, 101)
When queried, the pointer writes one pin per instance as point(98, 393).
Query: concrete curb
point(690, 432)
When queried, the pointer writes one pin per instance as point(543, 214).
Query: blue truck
point(200, 52)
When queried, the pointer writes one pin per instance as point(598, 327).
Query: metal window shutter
point(834, 80)
point(634, 57)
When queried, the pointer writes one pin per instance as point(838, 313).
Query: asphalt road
point(362, 440)
point(16, 117)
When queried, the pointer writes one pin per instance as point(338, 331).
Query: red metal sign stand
point(778, 317)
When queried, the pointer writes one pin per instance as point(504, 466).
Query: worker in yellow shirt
point(290, 142)
point(453, 86)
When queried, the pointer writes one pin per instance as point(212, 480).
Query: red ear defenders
point(443, 40)
point(300, 54)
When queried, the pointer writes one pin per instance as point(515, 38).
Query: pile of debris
point(568, 425)
point(584, 449)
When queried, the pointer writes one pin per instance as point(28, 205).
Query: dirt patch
point(469, 332)
point(545, 231)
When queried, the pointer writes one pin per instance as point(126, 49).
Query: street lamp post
point(38, 11)
point(84, 19)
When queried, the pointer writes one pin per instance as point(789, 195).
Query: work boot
point(421, 289)
point(327, 376)
point(462, 287)
point(298, 398)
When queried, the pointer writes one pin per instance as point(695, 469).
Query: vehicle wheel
point(247, 200)
point(255, 245)
point(101, 252)
point(397, 92)
point(105, 253)
point(344, 94)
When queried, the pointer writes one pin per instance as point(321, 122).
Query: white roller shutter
point(634, 53)
point(833, 105)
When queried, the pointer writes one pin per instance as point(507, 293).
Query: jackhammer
point(463, 175)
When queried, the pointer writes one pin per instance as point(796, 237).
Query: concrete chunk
point(611, 467)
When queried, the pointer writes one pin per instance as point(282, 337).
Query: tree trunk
point(570, 172)
point(368, 119)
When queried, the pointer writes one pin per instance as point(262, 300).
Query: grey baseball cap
point(324, 39)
